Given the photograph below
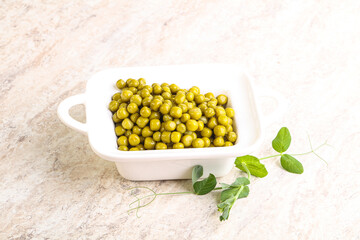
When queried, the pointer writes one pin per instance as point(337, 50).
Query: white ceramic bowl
point(169, 164)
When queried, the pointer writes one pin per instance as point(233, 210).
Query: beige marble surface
point(52, 186)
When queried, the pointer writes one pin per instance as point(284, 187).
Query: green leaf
point(290, 164)
point(225, 186)
point(241, 181)
point(282, 141)
point(197, 173)
point(231, 193)
point(256, 168)
point(225, 213)
point(205, 186)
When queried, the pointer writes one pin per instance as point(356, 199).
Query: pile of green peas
point(167, 117)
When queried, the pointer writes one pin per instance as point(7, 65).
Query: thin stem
point(277, 155)
point(176, 193)
point(218, 188)
point(246, 169)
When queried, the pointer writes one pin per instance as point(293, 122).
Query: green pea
point(209, 95)
point(116, 97)
point(122, 141)
point(127, 124)
point(200, 98)
point(220, 131)
point(120, 84)
point(170, 126)
point(157, 136)
point(230, 112)
point(231, 136)
point(181, 128)
point(220, 111)
point(222, 99)
point(198, 143)
point(195, 113)
point(132, 108)
point(167, 117)
point(146, 132)
point(166, 95)
point(134, 140)
point(149, 143)
point(133, 83)
point(161, 146)
point(212, 123)
point(190, 96)
point(142, 122)
point(134, 117)
point(192, 125)
point(136, 99)
point(207, 142)
point(228, 144)
point(206, 132)
point(185, 117)
point(155, 104)
point(115, 118)
point(144, 93)
point(175, 137)
point(195, 90)
point(155, 124)
point(174, 88)
point(157, 89)
point(187, 140)
point(200, 125)
point(134, 149)
point(178, 146)
point(166, 137)
point(165, 108)
point(126, 95)
point(223, 120)
point(122, 113)
point(140, 147)
point(119, 130)
point(136, 130)
point(145, 112)
point(176, 112)
point(154, 115)
point(180, 98)
point(219, 142)
point(114, 106)
point(123, 148)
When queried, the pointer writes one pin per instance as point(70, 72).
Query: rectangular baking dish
point(169, 164)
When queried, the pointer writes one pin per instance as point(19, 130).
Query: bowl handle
point(280, 109)
point(63, 113)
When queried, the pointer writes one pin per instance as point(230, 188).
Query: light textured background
point(53, 186)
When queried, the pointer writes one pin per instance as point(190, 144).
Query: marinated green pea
point(120, 84)
point(134, 117)
point(169, 102)
point(149, 88)
point(195, 90)
point(134, 149)
point(195, 113)
point(142, 122)
point(181, 128)
point(231, 137)
point(116, 97)
point(133, 83)
point(142, 82)
point(207, 142)
point(122, 113)
point(198, 143)
point(155, 104)
point(175, 137)
point(203, 107)
point(223, 120)
point(123, 148)
point(170, 126)
point(114, 106)
point(133, 90)
point(122, 141)
point(166, 89)
point(165, 108)
point(200, 125)
point(154, 115)
point(161, 146)
point(136, 99)
point(220, 131)
point(134, 140)
point(219, 142)
point(209, 112)
point(144, 93)
point(187, 140)
point(220, 111)
point(141, 147)
point(166, 95)
point(115, 118)
point(183, 107)
point(192, 125)
point(164, 85)
point(167, 117)
point(155, 124)
point(128, 81)
point(174, 88)
point(190, 105)
point(230, 121)
point(145, 112)
point(228, 144)
point(222, 99)
point(180, 98)
point(146, 132)
point(176, 112)
point(127, 124)
point(157, 89)
point(229, 128)
point(162, 128)
point(119, 130)
point(178, 146)
point(157, 136)
point(206, 132)
point(159, 97)
point(190, 96)
point(212, 123)
point(192, 134)
point(149, 143)
point(136, 130)
point(166, 137)
point(200, 98)
point(132, 108)
point(127, 133)
point(204, 119)
point(123, 105)
point(146, 101)
point(126, 95)
point(209, 95)
point(177, 121)
point(230, 112)
point(185, 117)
